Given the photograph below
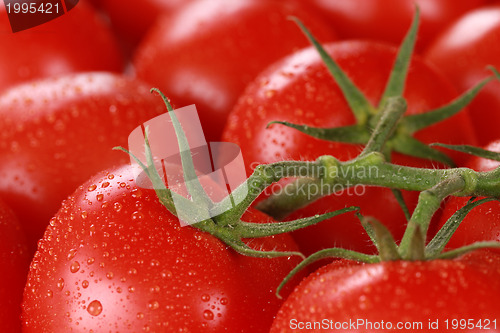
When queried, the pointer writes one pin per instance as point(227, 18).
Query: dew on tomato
point(145, 271)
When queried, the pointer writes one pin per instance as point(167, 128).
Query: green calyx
point(228, 226)
point(413, 247)
point(367, 115)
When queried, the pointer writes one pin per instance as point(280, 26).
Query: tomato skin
point(131, 20)
point(463, 52)
point(195, 54)
point(397, 292)
point(299, 89)
point(14, 262)
point(77, 41)
point(129, 254)
point(389, 20)
point(64, 134)
point(483, 222)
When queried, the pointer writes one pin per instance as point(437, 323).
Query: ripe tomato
point(463, 52)
point(14, 260)
point(388, 20)
point(75, 42)
point(483, 222)
point(299, 89)
point(64, 134)
point(397, 295)
point(207, 52)
point(114, 259)
point(132, 20)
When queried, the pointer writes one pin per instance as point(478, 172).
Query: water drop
point(60, 284)
point(117, 206)
point(153, 305)
point(137, 215)
point(71, 254)
point(208, 315)
point(75, 266)
point(94, 308)
point(92, 188)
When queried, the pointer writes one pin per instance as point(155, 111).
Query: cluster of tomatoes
point(107, 256)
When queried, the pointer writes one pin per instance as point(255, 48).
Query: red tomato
point(397, 296)
point(299, 89)
point(133, 19)
point(14, 260)
point(114, 259)
point(483, 222)
point(75, 42)
point(463, 52)
point(207, 52)
point(388, 20)
point(56, 133)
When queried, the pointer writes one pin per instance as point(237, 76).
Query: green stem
point(368, 170)
point(263, 176)
point(429, 202)
point(391, 113)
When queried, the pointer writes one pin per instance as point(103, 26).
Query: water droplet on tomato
point(85, 284)
point(71, 254)
point(136, 193)
point(94, 308)
point(137, 215)
point(153, 305)
point(60, 284)
point(75, 266)
point(117, 206)
point(92, 188)
point(208, 315)
point(205, 298)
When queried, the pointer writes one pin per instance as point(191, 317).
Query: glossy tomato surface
point(14, 262)
point(299, 89)
point(77, 41)
point(463, 52)
point(55, 133)
point(483, 222)
point(207, 52)
point(114, 259)
point(389, 20)
point(397, 296)
point(131, 20)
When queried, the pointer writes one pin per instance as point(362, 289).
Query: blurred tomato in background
point(77, 41)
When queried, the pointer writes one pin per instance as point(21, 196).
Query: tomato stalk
point(393, 132)
point(368, 115)
point(228, 226)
